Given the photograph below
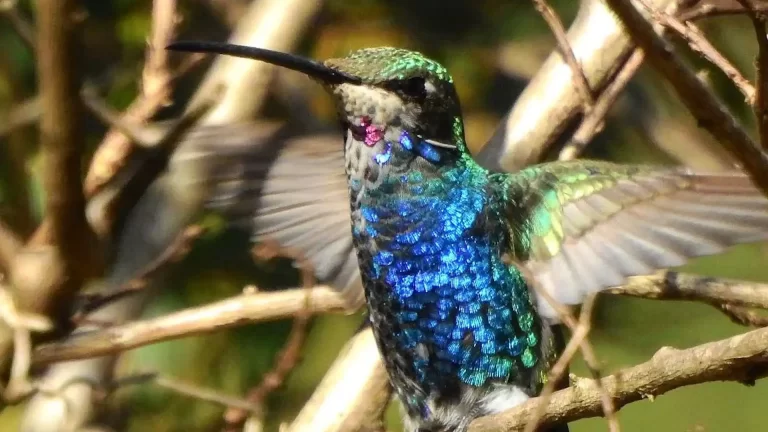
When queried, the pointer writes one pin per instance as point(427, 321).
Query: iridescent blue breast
point(446, 307)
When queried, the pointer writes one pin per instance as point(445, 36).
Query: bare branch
point(703, 104)
point(23, 114)
point(580, 333)
point(580, 330)
point(288, 357)
point(22, 325)
point(352, 395)
point(548, 104)
point(742, 358)
point(9, 8)
point(10, 244)
point(699, 43)
point(681, 286)
point(236, 311)
point(62, 139)
point(155, 93)
point(743, 316)
point(579, 79)
point(760, 102)
point(185, 389)
point(696, 9)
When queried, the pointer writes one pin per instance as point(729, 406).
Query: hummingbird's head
point(400, 91)
point(397, 107)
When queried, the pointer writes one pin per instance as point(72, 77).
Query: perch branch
point(743, 316)
point(250, 308)
point(742, 358)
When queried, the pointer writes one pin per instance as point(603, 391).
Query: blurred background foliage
point(491, 47)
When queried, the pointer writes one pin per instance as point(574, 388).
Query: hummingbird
point(456, 260)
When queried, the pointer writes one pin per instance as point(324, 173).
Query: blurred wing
point(584, 226)
point(292, 190)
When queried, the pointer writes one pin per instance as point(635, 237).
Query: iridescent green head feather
point(377, 65)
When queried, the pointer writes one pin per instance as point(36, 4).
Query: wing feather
point(609, 222)
point(292, 190)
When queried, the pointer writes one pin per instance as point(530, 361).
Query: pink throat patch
point(372, 134)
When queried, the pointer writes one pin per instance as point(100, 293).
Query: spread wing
point(292, 190)
point(584, 226)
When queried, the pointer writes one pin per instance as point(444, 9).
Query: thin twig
point(702, 103)
point(593, 121)
point(185, 389)
point(23, 28)
point(699, 43)
point(288, 357)
point(155, 93)
point(22, 114)
point(579, 78)
point(22, 324)
point(177, 250)
point(561, 366)
point(742, 358)
point(693, 10)
point(579, 332)
point(744, 316)
point(760, 103)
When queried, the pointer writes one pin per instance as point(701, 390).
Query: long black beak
point(300, 64)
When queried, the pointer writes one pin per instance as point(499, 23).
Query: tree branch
point(699, 43)
point(593, 121)
point(10, 244)
point(760, 102)
point(702, 103)
point(697, 9)
point(742, 358)
point(548, 104)
point(62, 140)
point(671, 285)
point(353, 393)
point(241, 310)
point(577, 73)
point(259, 307)
point(156, 86)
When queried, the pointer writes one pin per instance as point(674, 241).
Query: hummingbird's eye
point(413, 88)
